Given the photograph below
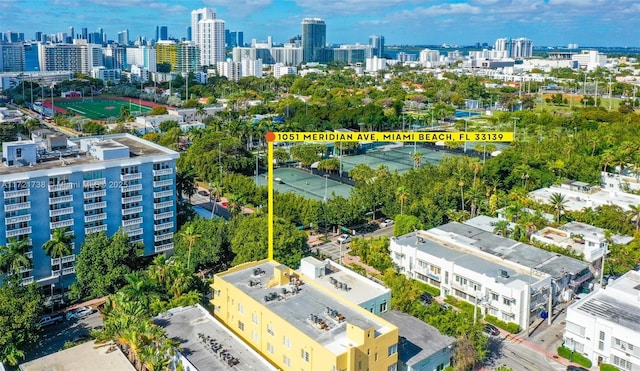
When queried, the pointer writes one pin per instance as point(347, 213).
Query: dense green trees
point(20, 310)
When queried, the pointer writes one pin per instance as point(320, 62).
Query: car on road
point(50, 319)
point(426, 298)
point(80, 312)
point(491, 329)
point(576, 368)
point(386, 223)
point(344, 238)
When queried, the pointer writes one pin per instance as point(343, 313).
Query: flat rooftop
point(418, 340)
point(593, 231)
point(298, 308)
point(578, 200)
point(79, 358)
point(486, 223)
point(618, 303)
point(361, 289)
point(516, 279)
point(529, 256)
point(137, 148)
point(185, 323)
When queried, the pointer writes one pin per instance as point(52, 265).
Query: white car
point(344, 238)
point(386, 223)
point(80, 312)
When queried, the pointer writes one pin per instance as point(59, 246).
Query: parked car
point(447, 306)
point(426, 298)
point(80, 312)
point(491, 329)
point(344, 238)
point(386, 223)
point(576, 368)
point(50, 319)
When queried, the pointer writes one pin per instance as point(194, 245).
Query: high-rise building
point(12, 57)
point(314, 39)
point(38, 36)
point(72, 33)
point(233, 38)
point(187, 57)
point(207, 33)
point(229, 69)
point(189, 33)
point(142, 56)
point(167, 52)
point(514, 48)
point(85, 33)
point(12, 37)
point(114, 57)
point(377, 42)
point(88, 185)
point(123, 37)
point(77, 57)
point(162, 33)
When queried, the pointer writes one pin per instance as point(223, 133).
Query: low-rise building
point(299, 324)
point(152, 123)
point(581, 195)
point(346, 283)
point(604, 326)
point(101, 358)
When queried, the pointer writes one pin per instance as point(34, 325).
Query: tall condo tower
point(207, 33)
point(314, 39)
point(377, 42)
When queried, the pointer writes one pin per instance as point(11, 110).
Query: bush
point(608, 367)
point(465, 307)
point(511, 327)
point(434, 291)
point(577, 357)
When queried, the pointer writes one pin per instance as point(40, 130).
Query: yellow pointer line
point(270, 198)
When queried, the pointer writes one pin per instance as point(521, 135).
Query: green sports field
point(100, 109)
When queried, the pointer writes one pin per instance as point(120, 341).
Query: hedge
point(434, 291)
point(465, 307)
point(608, 367)
point(511, 327)
point(578, 358)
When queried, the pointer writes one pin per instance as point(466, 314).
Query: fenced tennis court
point(394, 157)
point(306, 184)
point(101, 109)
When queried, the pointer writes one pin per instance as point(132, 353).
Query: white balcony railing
point(61, 224)
point(60, 187)
point(27, 280)
point(128, 200)
point(162, 172)
point(160, 227)
point(163, 183)
point(62, 211)
point(162, 237)
point(100, 182)
point(165, 247)
point(70, 270)
point(160, 216)
point(163, 194)
point(18, 193)
point(134, 232)
point(93, 194)
point(131, 188)
point(96, 229)
point(61, 199)
point(19, 232)
point(18, 206)
point(55, 273)
point(126, 223)
point(68, 258)
point(95, 205)
point(18, 219)
point(162, 205)
point(132, 176)
point(95, 218)
point(132, 210)
point(29, 254)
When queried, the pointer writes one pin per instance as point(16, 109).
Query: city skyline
point(409, 22)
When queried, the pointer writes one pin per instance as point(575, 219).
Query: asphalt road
point(332, 249)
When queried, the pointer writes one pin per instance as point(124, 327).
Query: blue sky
point(463, 22)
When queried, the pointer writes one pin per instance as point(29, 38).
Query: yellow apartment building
point(167, 52)
point(300, 325)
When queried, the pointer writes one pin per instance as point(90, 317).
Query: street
point(333, 249)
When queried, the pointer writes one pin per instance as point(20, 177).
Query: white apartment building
point(604, 326)
point(375, 64)
point(12, 57)
point(89, 185)
point(589, 59)
point(280, 70)
point(77, 57)
point(207, 33)
point(142, 56)
point(106, 74)
point(514, 48)
point(251, 68)
point(229, 69)
point(627, 181)
point(580, 195)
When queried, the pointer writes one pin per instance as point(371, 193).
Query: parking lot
point(333, 248)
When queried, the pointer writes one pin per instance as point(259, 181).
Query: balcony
point(162, 237)
point(70, 270)
point(134, 232)
point(29, 254)
point(163, 194)
point(62, 211)
point(132, 210)
point(163, 215)
point(131, 188)
point(18, 219)
point(93, 194)
point(162, 205)
point(128, 200)
point(132, 176)
point(18, 206)
point(18, 193)
point(61, 199)
point(95, 218)
point(27, 280)
point(165, 247)
point(100, 182)
point(160, 227)
point(61, 224)
point(126, 223)
point(96, 229)
point(95, 205)
point(162, 183)
point(162, 172)
point(19, 232)
point(60, 187)
point(64, 259)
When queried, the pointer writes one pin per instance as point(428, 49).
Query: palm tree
point(634, 214)
point(558, 202)
point(13, 256)
point(189, 235)
point(607, 158)
point(402, 195)
point(60, 243)
point(185, 183)
point(235, 204)
point(417, 159)
point(503, 227)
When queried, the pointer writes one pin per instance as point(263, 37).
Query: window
point(286, 361)
point(393, 349)
point(241, 325)
point(305, 355)
point(255, 336)
point(601, 342)
point(254, 318)
point(287, 342)
point(622, 363)
point(393, 367)
point(383, 307)
point(270, 330)
point(270, 348)
point(375, 357)
point(508, 301)
point(240, 308)
point(495, 296)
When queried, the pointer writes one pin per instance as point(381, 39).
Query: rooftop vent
point(503, 273)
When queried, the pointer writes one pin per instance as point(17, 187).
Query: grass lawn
point(100, 109)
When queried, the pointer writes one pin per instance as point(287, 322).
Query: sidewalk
point(350, 259)
point(550, 355)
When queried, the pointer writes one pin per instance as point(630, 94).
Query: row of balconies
point(162, 205)
point(64, 259)
point(61, 224)
point(130, 176)
point(165, 247)
point(95, 205)
point(64, 271)
point(163, 194)
point(19, 232)
point(61, 199)
point(18, 193)
point(95, 218)
point(100, 182)
point(60, 187)
point(18, 219)
point(132, 210)
point(131, 188)
point(126, 223)
point(95, 229)
point(18, 206)
point(162, 183)
point(162, 237)
point(161, 216)
point(161, 172)
point(160, 227)
point(62, 211)
point(94, 194)
point(132, 199)
point(134, 232)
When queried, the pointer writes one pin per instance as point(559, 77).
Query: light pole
point(326, 184)
point(340, 258)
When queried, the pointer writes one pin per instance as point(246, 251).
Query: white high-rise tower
point(207, 33)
